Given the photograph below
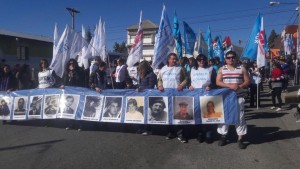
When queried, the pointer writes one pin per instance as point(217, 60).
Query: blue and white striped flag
point(164, 41)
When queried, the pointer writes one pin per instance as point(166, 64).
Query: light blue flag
point(189, 39)
point(164, 41)
point(177, 35)
point(208, 40)
point(218, 49)
point(250, 50)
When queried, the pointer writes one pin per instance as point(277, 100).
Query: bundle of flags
point(71, 45)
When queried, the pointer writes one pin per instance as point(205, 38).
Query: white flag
point(62, 52)
point(164, 41)
point(76, 45)
point(55, 42)
point(261, 59)
point(103, 53)
point(82, 61)
point(90, 48)
point(136, 52)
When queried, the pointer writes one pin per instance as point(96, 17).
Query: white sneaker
point(278, 109)
point(272, 107)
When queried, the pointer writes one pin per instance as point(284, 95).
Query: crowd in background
point(141, 76)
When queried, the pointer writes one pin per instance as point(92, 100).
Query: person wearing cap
point(183, 113)
point(236, 78)
point(35, 106)
point(52, 105)
point(157, 106)
point(174, 77)
point(203, 77)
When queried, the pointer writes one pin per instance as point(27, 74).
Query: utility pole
point(73, 12)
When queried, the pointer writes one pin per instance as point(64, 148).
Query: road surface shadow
point(259, 135)
point(264, 115)
point(29, 145)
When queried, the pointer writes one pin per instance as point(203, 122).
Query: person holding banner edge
point(234, 77)
point(203, 76)
point(173, 76)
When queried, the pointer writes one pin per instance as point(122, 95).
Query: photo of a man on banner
point(183, 107)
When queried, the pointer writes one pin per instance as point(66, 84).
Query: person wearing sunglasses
point(234, 77)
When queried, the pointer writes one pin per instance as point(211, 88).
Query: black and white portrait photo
point(158, 110)
point(5, 107)
point(113, 109)
point(92, 108)
point(35, 106)
point(134, 109)
point(68, 105)
point(51, 106)
point(20, 107)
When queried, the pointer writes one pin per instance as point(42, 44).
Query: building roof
point(25, 36)
point(147, 24)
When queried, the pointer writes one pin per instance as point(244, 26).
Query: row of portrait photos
point(110, 108)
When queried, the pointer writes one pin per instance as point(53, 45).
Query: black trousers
point(253, 93)
point(277, 93)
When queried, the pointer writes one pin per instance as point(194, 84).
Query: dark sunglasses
point(230, 58)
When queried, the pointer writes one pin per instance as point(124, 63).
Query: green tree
point(120, 47)
point(272, 37)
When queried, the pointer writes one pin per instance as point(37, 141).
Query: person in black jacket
point(73, 76)
point(147, 80)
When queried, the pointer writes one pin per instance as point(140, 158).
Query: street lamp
point(272, 3)
point(73, 12)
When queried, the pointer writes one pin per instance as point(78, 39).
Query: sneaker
point(241, 144)
point(278, 109)
point(67, 128)
point(170, 136)
point(200, 138)
point(79, 129)
point(139, 131)
point(297, 116)
point(182, 139)
point(146, 133)
point(270, 91)
point(273, 108)
point(222, 141)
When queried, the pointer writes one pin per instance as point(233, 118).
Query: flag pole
point(257, 97)
point(112, 82)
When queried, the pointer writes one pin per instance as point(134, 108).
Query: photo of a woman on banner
point(212, 109)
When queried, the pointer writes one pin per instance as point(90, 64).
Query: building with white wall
point(149, 31)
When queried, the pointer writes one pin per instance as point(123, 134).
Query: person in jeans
point(276, 83)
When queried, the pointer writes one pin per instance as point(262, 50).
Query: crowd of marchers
point(240, 75)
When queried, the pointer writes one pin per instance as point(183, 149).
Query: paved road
point(274, 143)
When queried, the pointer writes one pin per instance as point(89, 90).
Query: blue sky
point(231, 17)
